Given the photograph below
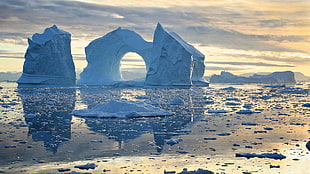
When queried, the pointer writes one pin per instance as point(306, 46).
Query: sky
point(239, 36)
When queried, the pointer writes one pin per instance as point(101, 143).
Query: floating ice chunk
point(245, 112)
point(247, 106)
point(264, 155)
point(173, 141)
point(308, 145)
point(205, 102)
point(306, 105)
point(224, 134)
point(142, 97)
point(209, 138)
point(233, 99)
point(249, 124)
point(122, 109)
point(232, 103)
point(229, 88)
point(182, 151)
point(217, 111)
point(86, 166)
point(177, 101)
point(198, 171)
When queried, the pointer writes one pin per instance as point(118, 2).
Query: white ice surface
point(122, 109)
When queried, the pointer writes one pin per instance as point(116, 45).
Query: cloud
point(194, 23)
point(231, 26)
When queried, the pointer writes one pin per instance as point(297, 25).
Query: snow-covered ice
point(48, 60)
point(122, 109)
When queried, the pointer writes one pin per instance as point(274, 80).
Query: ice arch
point(104, 56)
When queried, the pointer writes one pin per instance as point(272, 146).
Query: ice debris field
point(216, 129)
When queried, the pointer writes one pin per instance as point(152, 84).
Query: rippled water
point(38, 133)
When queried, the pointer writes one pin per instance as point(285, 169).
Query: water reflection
point(47, 113)
point(162, 128)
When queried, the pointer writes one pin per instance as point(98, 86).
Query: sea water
point(39, 133)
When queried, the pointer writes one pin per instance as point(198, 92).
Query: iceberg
point(169, 59)
point(104, 56)
point(174, 61)
point(276, 77)
point(48, 60)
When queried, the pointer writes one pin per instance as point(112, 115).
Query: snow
point(122, 109)
point(169, 59)
point(48, 60)
point(276, 77)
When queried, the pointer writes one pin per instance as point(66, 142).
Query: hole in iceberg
point(132, 67)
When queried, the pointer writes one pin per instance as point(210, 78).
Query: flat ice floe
point(122, 109)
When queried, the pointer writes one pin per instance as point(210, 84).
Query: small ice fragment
point(306, 105)
point(217, 111)
point(86, 166)
point(308, 145)
point(210, 138)
point(177, 101)
point(245, 112)
point(247, 106)
point(173, 141)
point(182, 151)
point(142, 97)
point(224, 134)
point(229, 88)
point(249, 124)
point(264, 155)
point(268, 128)
point(198, 171)
point(260, 132)
point(63, 170)
point(232, 104)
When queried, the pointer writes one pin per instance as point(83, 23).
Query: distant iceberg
point(48, 60)
point(276, 77)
